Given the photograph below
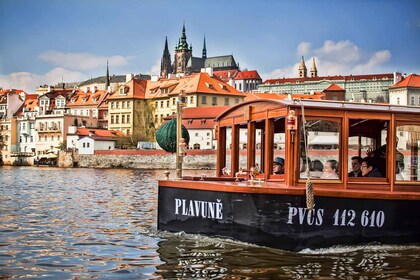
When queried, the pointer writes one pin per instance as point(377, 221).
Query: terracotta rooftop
point(334, 87)
point(248, 75)
point(98, 132)
point(330, 78)
point(412, 80)
point(280, 96)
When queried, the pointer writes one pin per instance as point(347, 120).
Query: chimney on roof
point(209, 70)
point(87, 89)
point(155, 78)
point(95, 88)
point(108, 89)
point(128, 77)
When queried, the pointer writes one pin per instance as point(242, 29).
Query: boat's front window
point(407, 152)
point(320, 148)
point(367, 138)
point(227, 164)
point(279, 146)
point(243, 147)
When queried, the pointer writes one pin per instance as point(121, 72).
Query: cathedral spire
point(314, 71)
point(204, 49)
point(165, 66)
point(107, 82)
point(183, 45)
point(303, 72)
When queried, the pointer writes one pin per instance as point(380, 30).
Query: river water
point(101, 223)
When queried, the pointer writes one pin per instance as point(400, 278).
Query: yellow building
point(201, 90)
point(128, 111)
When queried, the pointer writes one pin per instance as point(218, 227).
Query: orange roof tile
point(83, 99)
point(412, 80)
point(225, 75)
point(195, 83)
point(280, 96)
point(248, 75)
point(334, 87)
point(330, 78)
point(98, 132)
point(134, 89)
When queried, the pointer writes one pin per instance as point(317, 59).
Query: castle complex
point(185, 63)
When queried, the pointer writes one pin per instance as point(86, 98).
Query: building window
point(398, 101)
point(32, 139)
point(236, 100)
point(122, 118)
point(412, 101)
point(112, 105)
point(87, 145)
point(161, 104)
point(191, 99)
point(117, 119)
point(173, 101)
point(84, 145)
point(226, 101)
point(128, 118)
point(203, 99)
point(156, 104)
point(112, 119)
point(167, 103)
point(129, 104)
point(20, 139)
point(214, 101)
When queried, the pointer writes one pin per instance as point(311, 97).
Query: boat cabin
point(289, 142)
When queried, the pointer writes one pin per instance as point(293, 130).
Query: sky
point(52, 41)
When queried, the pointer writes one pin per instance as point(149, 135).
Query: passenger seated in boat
point(356, 171)
point(316, 168)
point(303, 167)
point(368, 168)
point(379, 156)
point(278, 166)
point(330, 170)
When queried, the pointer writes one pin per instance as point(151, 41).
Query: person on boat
point(303, 165)
point(379, 156)
point(316, 168)
point(330, 170)
point(356, 171)
point(278, 166)
point(368, 168)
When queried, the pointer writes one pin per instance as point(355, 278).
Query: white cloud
point(303, 48)
point(29, 82)
point(334, 58)
point(82, 61)
point(155, 70)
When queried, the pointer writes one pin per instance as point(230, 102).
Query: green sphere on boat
point(166, 136)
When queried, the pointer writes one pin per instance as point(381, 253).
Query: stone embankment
point(144, 159)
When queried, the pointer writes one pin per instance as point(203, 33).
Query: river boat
point(302, 207)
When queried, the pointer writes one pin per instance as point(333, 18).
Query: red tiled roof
point(334, 87)
point(80, 98)
point(412, 80)
point(98, 132)
point(225, 75)
point(331, 78)
point(277, 96)
point(248, 75)
point(208, 112)
point(135, 88)
point(195, 83)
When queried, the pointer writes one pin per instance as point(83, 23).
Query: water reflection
point(89, 223)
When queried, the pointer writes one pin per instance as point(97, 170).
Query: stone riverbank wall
point(145, 159)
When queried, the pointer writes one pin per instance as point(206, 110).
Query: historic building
point(406, 92)
point(185, 63)
point(201, 89)
point(129, 112)
point(365, 88)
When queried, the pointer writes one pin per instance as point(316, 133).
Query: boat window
point(407, 152)
point(258, 143)
point(243, 147)
point(227, 164)
point(279, 144)
point(323, 149)
point(367, 138)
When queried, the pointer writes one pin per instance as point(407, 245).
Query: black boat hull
point(282, 220)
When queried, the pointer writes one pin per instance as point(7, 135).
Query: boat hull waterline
point(282, 220)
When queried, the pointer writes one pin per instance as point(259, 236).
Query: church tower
point(183, 53)
point(314, 71)
point(165, 66)
point(303, 72)
point(204, 56)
